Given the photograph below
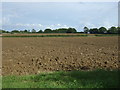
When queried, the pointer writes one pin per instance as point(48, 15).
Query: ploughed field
point(24, 56)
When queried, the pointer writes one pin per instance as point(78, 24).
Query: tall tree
point(93, 31)
point(33, 31)
point(113, 30)
point(118, 29)
point(25, 31)
point(86, 30)
point(47, 31)
point(15, 31)
point(71, 30)
point(102, 30)
point(40, 31)
point(3, 31)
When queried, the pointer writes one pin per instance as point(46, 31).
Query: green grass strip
point(96, 35)
point(46, 36)
point(65, 79)
point(106, 35)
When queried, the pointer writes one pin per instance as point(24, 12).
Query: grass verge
point(46, 36)
point(106, 35)
point(65, 79)
point(81, 35)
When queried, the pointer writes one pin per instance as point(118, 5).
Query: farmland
point(76, 61)
point(26, 56)
point(59, 44)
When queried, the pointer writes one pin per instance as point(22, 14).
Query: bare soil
point(24, 56)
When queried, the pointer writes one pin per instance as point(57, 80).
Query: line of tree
point(60, 30)
point(101, 30)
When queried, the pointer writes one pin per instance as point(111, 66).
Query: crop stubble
point(24, 56)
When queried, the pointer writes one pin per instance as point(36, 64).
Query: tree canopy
point(101, 30)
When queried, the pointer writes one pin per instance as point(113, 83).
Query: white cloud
point(64, 26)
point(40, 25)
point(58, 24)
point(48, 27)
point(108, 24)
point(27, 24)
point(52, 26)
point(90, 25)
point(18, 24)
point(32, 24)
point(86, 14)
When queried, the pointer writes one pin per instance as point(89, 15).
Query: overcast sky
point(41, 15)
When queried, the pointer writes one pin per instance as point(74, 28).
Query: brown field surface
point(23, 56)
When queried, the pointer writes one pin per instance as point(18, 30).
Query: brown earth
point(23, 56)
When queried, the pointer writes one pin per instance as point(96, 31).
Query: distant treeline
point(101, 30)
